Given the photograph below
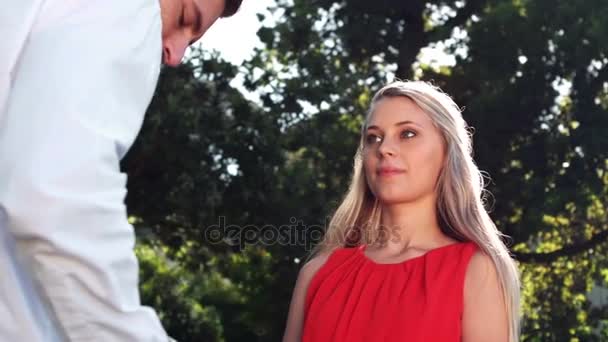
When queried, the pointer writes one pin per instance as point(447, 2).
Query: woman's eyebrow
point(400, 123)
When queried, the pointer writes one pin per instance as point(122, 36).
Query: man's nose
point(174, 49)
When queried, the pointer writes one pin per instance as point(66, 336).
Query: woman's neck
point(412, 224)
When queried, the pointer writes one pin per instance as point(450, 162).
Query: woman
point(410, 254)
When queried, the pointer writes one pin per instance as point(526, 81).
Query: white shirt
point(75, 80)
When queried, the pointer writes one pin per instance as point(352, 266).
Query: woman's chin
point(393, 199)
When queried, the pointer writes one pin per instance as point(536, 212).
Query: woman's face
point(403, 151)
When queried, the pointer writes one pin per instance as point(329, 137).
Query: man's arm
point(80, 89)
point(24, 316)
point(16, 20)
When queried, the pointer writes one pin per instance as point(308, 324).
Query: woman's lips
point(389, 171)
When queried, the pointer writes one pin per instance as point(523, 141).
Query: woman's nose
point(386, 148)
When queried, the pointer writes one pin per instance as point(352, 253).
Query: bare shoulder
point(481, 278)
point(480, 270)
point(484, 314)
point(313, 265)
point(295, 319)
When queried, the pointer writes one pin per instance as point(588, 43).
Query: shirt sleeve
point(79, 92)
point(16, 20)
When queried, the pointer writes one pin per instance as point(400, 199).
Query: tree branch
point(413, 40)
point(571, 250)
point(444, 31)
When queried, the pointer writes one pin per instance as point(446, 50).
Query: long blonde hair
point(460, 194)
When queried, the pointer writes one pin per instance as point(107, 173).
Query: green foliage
point(224, 299)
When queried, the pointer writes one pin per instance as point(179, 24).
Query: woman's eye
point(372, 139)
point(407, 134)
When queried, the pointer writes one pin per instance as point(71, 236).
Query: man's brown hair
point(231, 7)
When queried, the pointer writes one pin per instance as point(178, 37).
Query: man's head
point(185, 21)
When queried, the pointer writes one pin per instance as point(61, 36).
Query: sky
point(235, 37)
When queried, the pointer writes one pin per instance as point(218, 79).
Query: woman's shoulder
point(321, 258)
point(311, 267)
point(481, 270)
point(298, 304)
point(324, 258)
point(485, 311)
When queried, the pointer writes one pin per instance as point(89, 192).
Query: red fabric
point(352, 298)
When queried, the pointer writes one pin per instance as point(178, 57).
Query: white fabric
point(75, 80)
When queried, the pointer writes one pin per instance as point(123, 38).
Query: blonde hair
point(460, 194)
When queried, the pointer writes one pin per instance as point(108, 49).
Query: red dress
point(354, 299)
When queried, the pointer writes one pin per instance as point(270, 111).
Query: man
point(75, 80)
